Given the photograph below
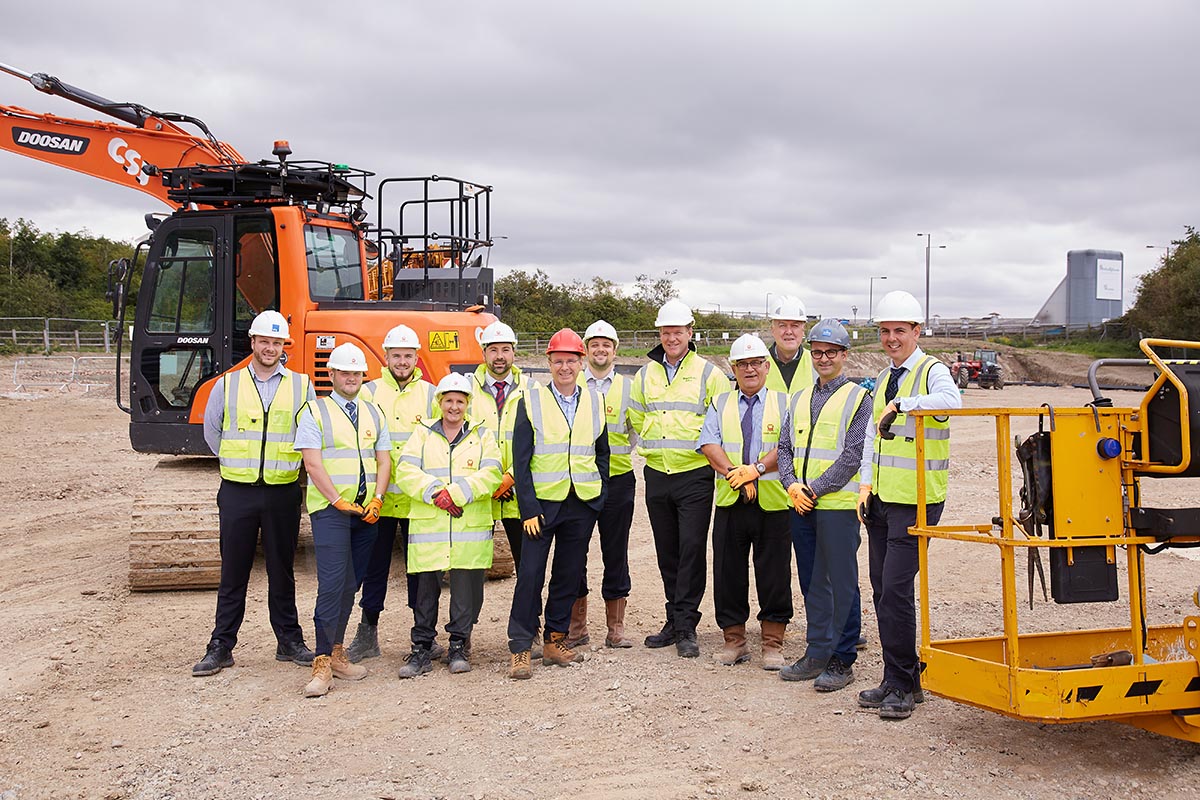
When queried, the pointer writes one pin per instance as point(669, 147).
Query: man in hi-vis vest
point(560, 458)
point(348, 455)
point(820, 455)
point(249, 424)
point(888, 492)
point(739, 439)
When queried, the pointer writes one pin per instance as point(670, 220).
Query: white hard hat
point(401, 336)
point(748, 345)
point(600, 330)
point(348, 358)
point(787, 307)
point(497, 333)
point(674, 312)
point(269, 323)
point(899, 307)
point(454, 382)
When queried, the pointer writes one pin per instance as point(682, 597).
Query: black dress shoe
point(664, 638)
point(685, 645)
point(216, 658)
point(296, 652)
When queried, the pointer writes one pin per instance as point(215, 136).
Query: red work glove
point(442, 500)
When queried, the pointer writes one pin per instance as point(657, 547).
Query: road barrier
point(62, 372)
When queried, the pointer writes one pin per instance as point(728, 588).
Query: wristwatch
point(762, 469)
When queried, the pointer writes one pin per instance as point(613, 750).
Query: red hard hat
point(565, 341)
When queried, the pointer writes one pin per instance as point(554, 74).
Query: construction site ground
point(97, 698)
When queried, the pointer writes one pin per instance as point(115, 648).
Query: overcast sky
point(784, 147)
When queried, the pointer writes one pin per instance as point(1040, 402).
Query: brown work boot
point(342, 668)
point(519, 667)
point(614, 612)
point(555, 651)
point(772, 645)
point(577, 634)
point(322, 677)
point(735, 650)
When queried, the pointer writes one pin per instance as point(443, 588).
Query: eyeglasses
point(827, 355)
point(754, 363)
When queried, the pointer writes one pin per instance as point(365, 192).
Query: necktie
point(352, 413)
point(893, 386)
point(748, 428)
point(500, 387)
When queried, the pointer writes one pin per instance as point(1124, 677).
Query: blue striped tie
point(352, 413)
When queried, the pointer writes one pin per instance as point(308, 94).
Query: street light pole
point(927, 249)
point(871, 296)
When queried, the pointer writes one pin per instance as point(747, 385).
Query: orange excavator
point(243, 237)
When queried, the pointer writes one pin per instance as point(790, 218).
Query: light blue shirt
point(601, 385)
point(308, 435)
point(711, 432)
point(567, 404)
point(672, 368)
point(214, 411)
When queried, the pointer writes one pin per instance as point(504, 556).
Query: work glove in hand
point(346, 507)
point(864, 503)
point(443, 501)
point(802, 497)
point(886, 420)
point(533, 527)
point(749, 492)
point(505, 491)
point(740, 476)
point(371, 510)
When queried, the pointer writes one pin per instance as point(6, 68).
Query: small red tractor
point(983, 368)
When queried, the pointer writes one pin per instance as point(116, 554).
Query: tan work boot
point(555, 651)
point(322, 677)
point(735, 650)
point(339, 662)
point(518, 666)
point(772, 645)
point(614, 613)
point(577, 634)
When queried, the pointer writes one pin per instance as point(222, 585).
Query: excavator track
point(174, 540)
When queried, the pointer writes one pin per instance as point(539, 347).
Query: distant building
point(1090, 294)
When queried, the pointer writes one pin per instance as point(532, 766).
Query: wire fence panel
point(63, 372)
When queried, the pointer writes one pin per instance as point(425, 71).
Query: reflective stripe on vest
point(404, 410)
point(617, 401)
point(896, 460)
point(811, 457)
point(249, 449)
point(344, 449)
point(482, 411)
point(564, 455)
point(674, 412)
point(771, 495)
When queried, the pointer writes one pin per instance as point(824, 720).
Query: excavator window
point(256, 272)
point(183, 284)
point(334, 264)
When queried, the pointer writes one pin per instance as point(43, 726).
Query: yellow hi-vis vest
point(616, 420)
point(815, 446)
point(404, 409)
point(564, 455)
point(896, 460)
point(802, 378)
point(771, 495)
point(668, 415)
point(344, 450)
point(249, 449)
point(471, 472)
point(482, 411)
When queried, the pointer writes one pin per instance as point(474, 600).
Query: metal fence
point(47, 334)
point(63, 372)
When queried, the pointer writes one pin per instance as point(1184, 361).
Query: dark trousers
point(343, 546)
point(832, 601)
point(466, 601)
point(515, 533)
point(894, 565)
point(374, 588)
point(804, 542)
point(613, 523)
point(245, 510)
point(680, 507)
point(570, 533)
point(737, 530)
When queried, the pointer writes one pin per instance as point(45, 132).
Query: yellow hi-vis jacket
point(564, 455)
point(617, 401)
point(896, 460)
point(771, 494)
point(482, 411)
point(251, 449)
point(344, 450)
point(470, 471)
point(817, 445)
point(802, 378)
point(668, 415)
point(405, 410)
